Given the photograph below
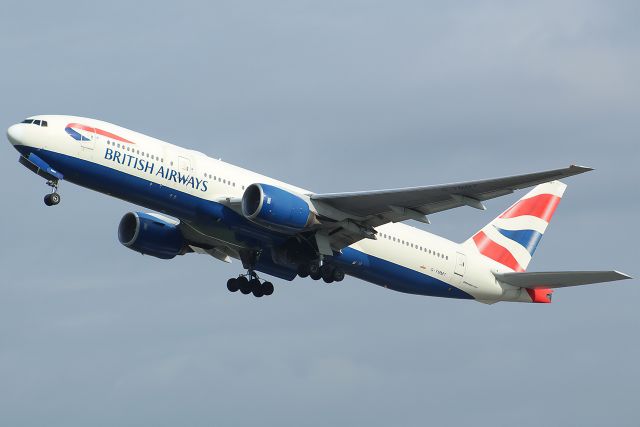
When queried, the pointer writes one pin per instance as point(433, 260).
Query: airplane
point(206, 206)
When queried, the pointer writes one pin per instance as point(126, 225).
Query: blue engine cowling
point(275, 207)
point(149, 235)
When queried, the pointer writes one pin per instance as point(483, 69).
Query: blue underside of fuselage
point(187, 207)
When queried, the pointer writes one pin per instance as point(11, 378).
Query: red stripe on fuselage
point(542, 206)
point(99, 132)
point(496, 252)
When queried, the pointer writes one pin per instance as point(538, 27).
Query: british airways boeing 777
point(207, 206)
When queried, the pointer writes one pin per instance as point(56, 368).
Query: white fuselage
point(210, 179)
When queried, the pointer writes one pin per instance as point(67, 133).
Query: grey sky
point(331, 96)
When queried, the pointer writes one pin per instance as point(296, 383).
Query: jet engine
point(276, 208)
point(151, 235)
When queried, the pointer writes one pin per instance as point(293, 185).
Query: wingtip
point(622, 276)
point(580, 169)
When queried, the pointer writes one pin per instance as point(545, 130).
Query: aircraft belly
point(394, 276)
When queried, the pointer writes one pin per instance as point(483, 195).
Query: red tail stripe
point(99, 132)
point(496, 252)
point(542, 206)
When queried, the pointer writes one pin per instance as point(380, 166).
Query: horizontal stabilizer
point(558, 279)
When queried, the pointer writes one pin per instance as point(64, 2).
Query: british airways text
point(150, 167)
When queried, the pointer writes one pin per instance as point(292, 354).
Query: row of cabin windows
point(154, 157)
point(135, 151)
point(414, 246)
point(220, 179)
point(42, 123)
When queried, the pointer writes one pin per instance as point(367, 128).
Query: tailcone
point(541, 296)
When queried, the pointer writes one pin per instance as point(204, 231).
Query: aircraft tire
point(314, 272)
point(232, 285)
point(326, 271)
point(267, 288)
point(254, 284)
point(243, 285)
point(303, 270)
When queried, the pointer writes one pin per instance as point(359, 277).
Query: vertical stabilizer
point(512, 238)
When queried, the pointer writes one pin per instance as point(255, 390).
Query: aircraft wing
point(559, 279)
point(369, 209)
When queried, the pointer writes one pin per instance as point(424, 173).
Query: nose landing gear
point(52, 198)
point(250, 284)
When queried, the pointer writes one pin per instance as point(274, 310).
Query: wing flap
point(559, 279)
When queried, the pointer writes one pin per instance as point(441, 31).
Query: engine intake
point(150, 235)
point(275, 207)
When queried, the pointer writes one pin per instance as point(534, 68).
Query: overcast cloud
point(331, 96)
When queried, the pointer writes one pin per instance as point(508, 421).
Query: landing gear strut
point(52, 198)
point(250, 284)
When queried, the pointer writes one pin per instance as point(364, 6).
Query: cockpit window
point(35, 122)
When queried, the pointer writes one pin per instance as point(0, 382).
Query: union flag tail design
point(511, 239)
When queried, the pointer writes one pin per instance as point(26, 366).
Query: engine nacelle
point(150, 235)
point(274, 207)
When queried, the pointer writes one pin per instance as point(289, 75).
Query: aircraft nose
point(14, 134)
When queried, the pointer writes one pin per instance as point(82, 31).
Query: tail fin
point(511, 239)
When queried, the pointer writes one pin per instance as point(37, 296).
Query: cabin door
point(460, 268)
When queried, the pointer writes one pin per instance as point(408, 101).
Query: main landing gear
point(250, 284)
point(326, 272)
point(52, 198)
